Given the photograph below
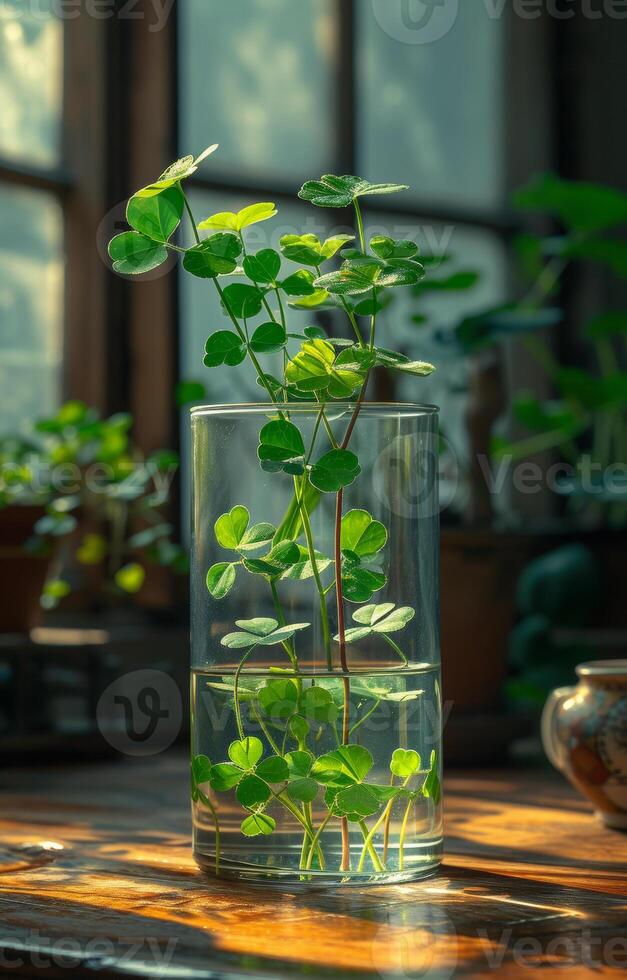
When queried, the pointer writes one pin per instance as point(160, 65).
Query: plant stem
point(285, 800)
point(264, 728)
point(324, 615)
point(288, 645)
point(374, 857)
point(207, 802)
point(236, 704)
point(191, 216)
point(314, 843)
point(360, 225)
point(365, 717)
point(395, 647)
point(401, 839)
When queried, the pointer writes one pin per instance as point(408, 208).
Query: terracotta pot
point(22, 576)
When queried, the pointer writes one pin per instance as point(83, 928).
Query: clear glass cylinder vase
point(316, 707)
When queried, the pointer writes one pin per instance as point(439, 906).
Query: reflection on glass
point(256, 77)
point(31, 306)
point(430, 113)
point(31, 82)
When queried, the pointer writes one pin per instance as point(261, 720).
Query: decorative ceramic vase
point(316, 761)
point(584, 731)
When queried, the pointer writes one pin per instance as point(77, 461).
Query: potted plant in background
point(315, 682)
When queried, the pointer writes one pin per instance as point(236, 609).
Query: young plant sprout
point(333, 792)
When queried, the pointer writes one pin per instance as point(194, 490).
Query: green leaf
point(56, 588)
point(130, 578)
point(133, 254)
point(303, 790)
point(320, 299)
point(300, 283)
point(384, 618)
point(250, 215)
point(201, 769)
point(316, 704)
point(298, 727)
point(230, 528)
point(356, 802)
point(345, 765)
point(420, 368)
point(246, 752)
point(308, 250)
point(156, 217)
point(362, 534)
point(256, 536)
point(279, 699)
point(389, 248)
point(607, 325)
point(303, 569)
point(359, 584)
point(358, 276)
point(256, 824)
point(252, 791)
point(268, 338)
point(188, 392)
point(609, 251)
point(404, 762)
point(340, 192)
point(315, 368)
point(273, 770)
point(216, 256)
point(224, 777)
point(263, 267)
point(260, 632)
point(281, 557)
point(336, 469)
point(281, 447)
point(299, 763)
point(243, 301)
point(221, 579)
point(581, 207)
point(431, 787)
point(224, 347)
point(458, 282)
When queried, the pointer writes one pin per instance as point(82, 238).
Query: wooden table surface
point(97, 879)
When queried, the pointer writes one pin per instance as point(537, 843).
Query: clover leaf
point(224, 347)
point(404, 762)
point(303, 790)
point(340, 192)
point(176, 172)
point(134, 254)
point(300, 283)
point(361, 534)
point(263, 267)
point(200, 773)
point(356, 802)
point(216, 256)
point(383, 618)
point(242, 301)
point(156, 217)
point(281, 447)
point(232, 531)
point(250, 215)
point(279, 559)
point(257, 824)
point(308, 250)
point(344, 766)
point(245, 752)
point(315, 368)
point(359, 584)
point(268, 338)
point(389, 248)
point(260, 632)
point(221, 579)
point(357, 276)
point(303, 568)
point(336, 469)
point(431, 786)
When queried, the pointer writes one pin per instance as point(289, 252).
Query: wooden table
point(97, 879)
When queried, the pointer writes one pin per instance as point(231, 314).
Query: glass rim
point(405, 409)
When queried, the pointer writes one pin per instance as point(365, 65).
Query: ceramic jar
point(584, 731)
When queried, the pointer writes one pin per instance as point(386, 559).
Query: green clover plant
point(289, 712)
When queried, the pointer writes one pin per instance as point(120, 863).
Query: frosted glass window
point(31, 306)
point(31, 82)
point(430, 108)
point(256, 77)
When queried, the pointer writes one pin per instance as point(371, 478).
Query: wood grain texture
point(97, 879)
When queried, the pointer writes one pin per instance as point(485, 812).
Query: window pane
point(256, 77)
point(430, 113)
point(31, 306)
point(31, 82)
